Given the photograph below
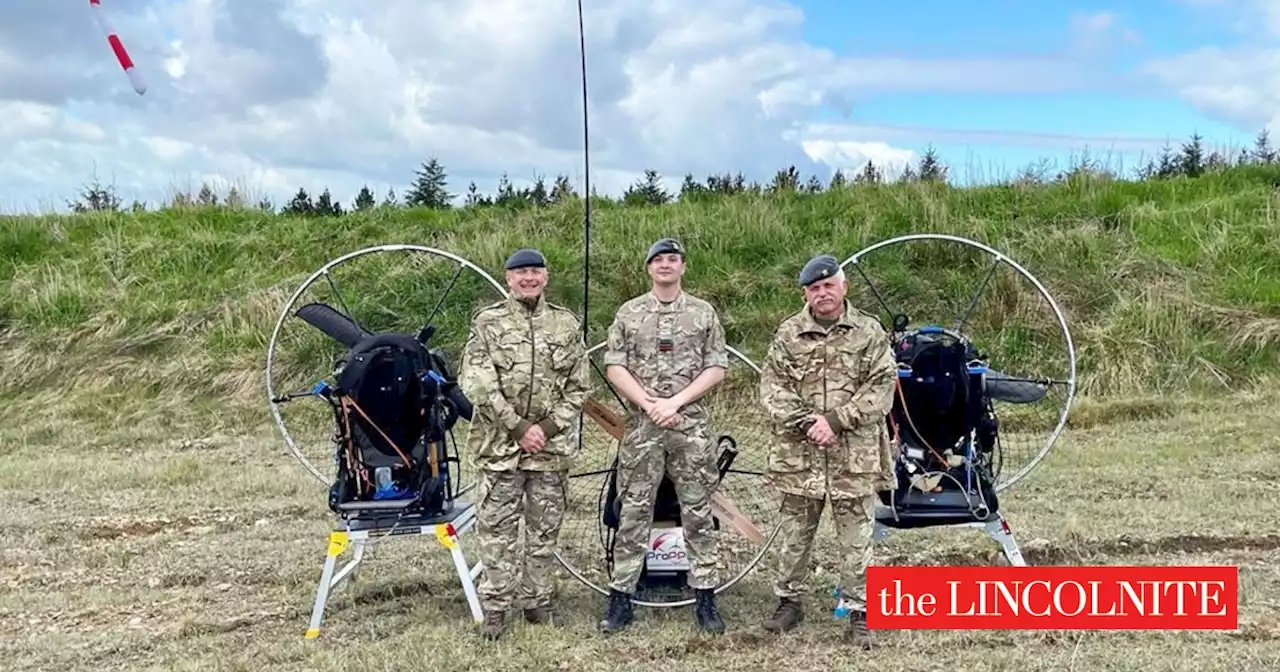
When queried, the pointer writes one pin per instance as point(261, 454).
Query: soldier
point(666, 350)
point(827, 385)
point(525, 370)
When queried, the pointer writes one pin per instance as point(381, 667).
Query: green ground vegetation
point(1169, 281)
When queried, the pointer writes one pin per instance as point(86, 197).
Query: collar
point(519, 307)
point(676, 304)
point(811, 326)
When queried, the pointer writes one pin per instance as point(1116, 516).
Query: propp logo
point(666, 547)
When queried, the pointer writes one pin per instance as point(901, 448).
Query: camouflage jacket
point(521, 366)
point(665, 346)
point(845, 373)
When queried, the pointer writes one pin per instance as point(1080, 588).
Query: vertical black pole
point(586, 162)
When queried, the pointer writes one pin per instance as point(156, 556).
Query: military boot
point(789, 614)
point(538, 614)
point(494, 623)
point(618, 615)
point(706, 613)
point(856, 632)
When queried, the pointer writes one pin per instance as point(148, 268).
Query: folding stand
point(445, 527)
point(994, 524)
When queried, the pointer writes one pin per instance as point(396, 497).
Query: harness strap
point(897, 383)
point(353, 404)
point(362, 474)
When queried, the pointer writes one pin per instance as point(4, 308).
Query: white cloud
point(279, 94)
point(1240, 85)
point(852, 156)
point(1099, 32)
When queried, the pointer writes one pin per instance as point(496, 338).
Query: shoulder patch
point(556, 306)
point(868, 318)
point(788, 327)
point(564, 313)
point(633, 305)
point(700, 303)
point(484, 309)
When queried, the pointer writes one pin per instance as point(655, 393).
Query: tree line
point(430, 186)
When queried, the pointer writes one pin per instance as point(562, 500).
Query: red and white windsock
point(135, 78)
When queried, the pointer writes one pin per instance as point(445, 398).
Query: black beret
point(525, 257)
point(662, 247)
point(819, 267)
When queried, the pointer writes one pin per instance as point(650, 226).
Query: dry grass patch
point(190, 552)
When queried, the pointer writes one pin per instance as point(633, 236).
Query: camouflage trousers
point(854, 523)
point(645, 455)
point(538, 498)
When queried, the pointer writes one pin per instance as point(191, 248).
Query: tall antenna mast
point(586, 196)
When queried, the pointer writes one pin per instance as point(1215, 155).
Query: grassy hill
point(1169, 285)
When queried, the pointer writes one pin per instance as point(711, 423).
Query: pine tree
point(429, 187)
point(364, 199)
point(1262, 151)
point(931, 169)
point(647, 191)
point(869, 174)
point(326, 206)
point(301, 204)
point(538, 194)
point(785, 180)
point(562, 191)
point(1191, 162)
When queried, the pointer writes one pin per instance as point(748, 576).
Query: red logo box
point(1053, 598)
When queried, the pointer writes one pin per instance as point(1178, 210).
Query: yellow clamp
point(442, 535)
point(337, 543)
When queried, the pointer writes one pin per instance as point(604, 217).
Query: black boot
point(495, 622)
point(856, 631)
point(790, 613)
point(706, 613)
point(618, 615)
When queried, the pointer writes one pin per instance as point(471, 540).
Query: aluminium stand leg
point(338, 540)
point(467, 575)
point(446, 534)
point(998, 529)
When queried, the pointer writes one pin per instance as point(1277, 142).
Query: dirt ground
point(158, 545)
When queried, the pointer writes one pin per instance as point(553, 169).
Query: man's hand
point(534, 439)
point(664, 412)
point(820, 431)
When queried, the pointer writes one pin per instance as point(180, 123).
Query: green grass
point(1167, 285)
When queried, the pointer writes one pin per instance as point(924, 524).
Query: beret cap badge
point(819, 267)
point(662, 247)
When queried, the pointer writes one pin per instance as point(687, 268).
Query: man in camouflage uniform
point(666, 350)
point(525, 370)
point(827, 384)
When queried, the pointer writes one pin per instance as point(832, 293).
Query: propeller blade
point(334, 324)
point(1014, 390)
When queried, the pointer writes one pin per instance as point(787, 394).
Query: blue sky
point(340, 95)
point(1139, 31)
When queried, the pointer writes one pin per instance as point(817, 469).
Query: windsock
point(117, 47)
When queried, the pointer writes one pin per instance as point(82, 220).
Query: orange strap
point(348, 401)
point(897, 383)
